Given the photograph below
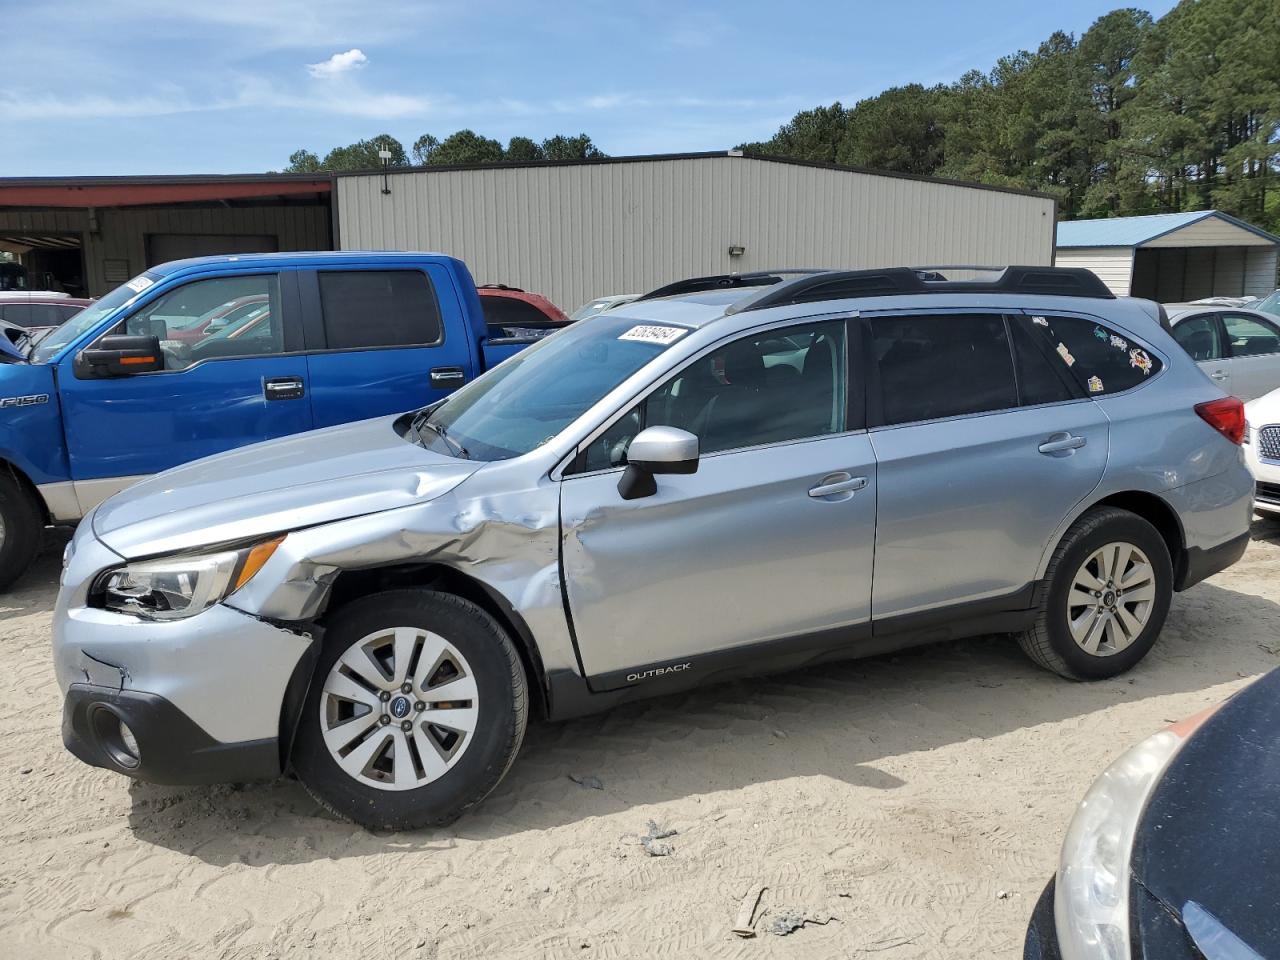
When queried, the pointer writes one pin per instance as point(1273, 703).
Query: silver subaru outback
point(731, 475)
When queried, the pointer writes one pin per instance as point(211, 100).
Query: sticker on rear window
point(651, 334)
point(138, 284)
point(1095, 384)
point(1066, 354)
point(1040, 321)
point(1141, 360)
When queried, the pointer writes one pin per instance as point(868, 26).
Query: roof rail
point(892, 281)
point(761, 278)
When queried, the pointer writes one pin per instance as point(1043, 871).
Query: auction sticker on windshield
point(138, 284)
point(652, 334)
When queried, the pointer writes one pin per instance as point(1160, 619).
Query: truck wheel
point(20, 528)
point(416, 710)
point(1110, 581)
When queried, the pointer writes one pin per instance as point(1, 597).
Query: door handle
point(1219, 375)
point(448, 377)
point(283, 388)
point(837, 483)
point(1062, 443)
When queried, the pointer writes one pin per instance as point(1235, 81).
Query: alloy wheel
point(1111, 599)
point(399, 708)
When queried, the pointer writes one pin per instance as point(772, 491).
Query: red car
point(219, 318)
point(509, 309)
point(35, 309)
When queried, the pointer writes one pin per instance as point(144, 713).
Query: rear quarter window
point(1100, 359)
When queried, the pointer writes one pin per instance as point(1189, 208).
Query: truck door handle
point(448, 377)
point(1062, 443)
point(283, 388)
point(837, 483)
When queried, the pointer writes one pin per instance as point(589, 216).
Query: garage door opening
point(163, 247)
point(1183, 274)
point(48, 261)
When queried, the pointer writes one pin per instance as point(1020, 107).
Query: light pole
point(385, 157)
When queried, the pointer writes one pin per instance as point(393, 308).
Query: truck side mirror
point(119, 356)
point(657, 450)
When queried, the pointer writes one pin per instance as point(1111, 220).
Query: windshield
point(88, 318)
point(1269, 305)
point(524, 402)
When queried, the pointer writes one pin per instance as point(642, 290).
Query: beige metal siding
point(1113, 265)
point(1260, 272)
point(1210, 232)
point(581, 231)
point(122, 232)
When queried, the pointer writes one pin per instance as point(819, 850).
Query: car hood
point(1210, 834)
point(279, 485)
point(1263, 410)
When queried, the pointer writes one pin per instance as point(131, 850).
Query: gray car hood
point(279, 485)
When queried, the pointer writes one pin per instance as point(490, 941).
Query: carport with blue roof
point(1173, 257)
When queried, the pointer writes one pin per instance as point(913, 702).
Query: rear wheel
point(415, 713)
point(20, 528)
point(1110, 582)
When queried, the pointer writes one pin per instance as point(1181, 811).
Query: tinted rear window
point(1042, 378)
point(942, 366)
point(1099, 359)
point(378, 308)
point(509, 312)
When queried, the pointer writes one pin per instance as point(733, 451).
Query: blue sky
point(225, 86)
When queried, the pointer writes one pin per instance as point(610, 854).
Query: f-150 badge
point(28, 401)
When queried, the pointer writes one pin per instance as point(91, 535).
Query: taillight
point(1225, 415)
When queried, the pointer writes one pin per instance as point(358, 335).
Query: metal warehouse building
point(88, 235)
point(1173, 257)
point(574, 231)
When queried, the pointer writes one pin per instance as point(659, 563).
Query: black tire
point(1049, 642)
point(23, 527)
point(502, 703)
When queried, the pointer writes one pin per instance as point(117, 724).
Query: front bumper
point(169, 747)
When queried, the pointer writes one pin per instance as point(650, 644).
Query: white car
point(1239, 349)
point(1262, 451)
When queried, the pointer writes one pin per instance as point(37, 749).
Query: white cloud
point(338, 64)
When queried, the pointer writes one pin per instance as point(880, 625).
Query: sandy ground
point(918, 800)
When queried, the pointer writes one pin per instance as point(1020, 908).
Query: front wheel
point(1110, 583)
point(20, 528)
point(416, 710)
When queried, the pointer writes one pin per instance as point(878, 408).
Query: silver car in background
point(729, 476)
point(1238, 348)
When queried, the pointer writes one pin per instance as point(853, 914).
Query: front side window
point(772, 387)
point(942, 366)
point(378, 308)
point(1250, 336)
point(1099, 359)
point(1199, 337)
point(191, 326)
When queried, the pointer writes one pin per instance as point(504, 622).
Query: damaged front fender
point(507, 540)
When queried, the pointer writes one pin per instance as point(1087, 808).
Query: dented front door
point(748, 550)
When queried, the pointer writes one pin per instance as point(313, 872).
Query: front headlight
point(1091, 898)
point(171, 588)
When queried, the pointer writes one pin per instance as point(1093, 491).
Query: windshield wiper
point(423, 419)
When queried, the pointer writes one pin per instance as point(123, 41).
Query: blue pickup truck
point(198, 356)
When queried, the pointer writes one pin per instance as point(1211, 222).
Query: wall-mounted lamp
point(737, 251)
point(385, 157)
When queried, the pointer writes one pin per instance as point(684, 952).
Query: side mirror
point(657, 450)
point(119, 356)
